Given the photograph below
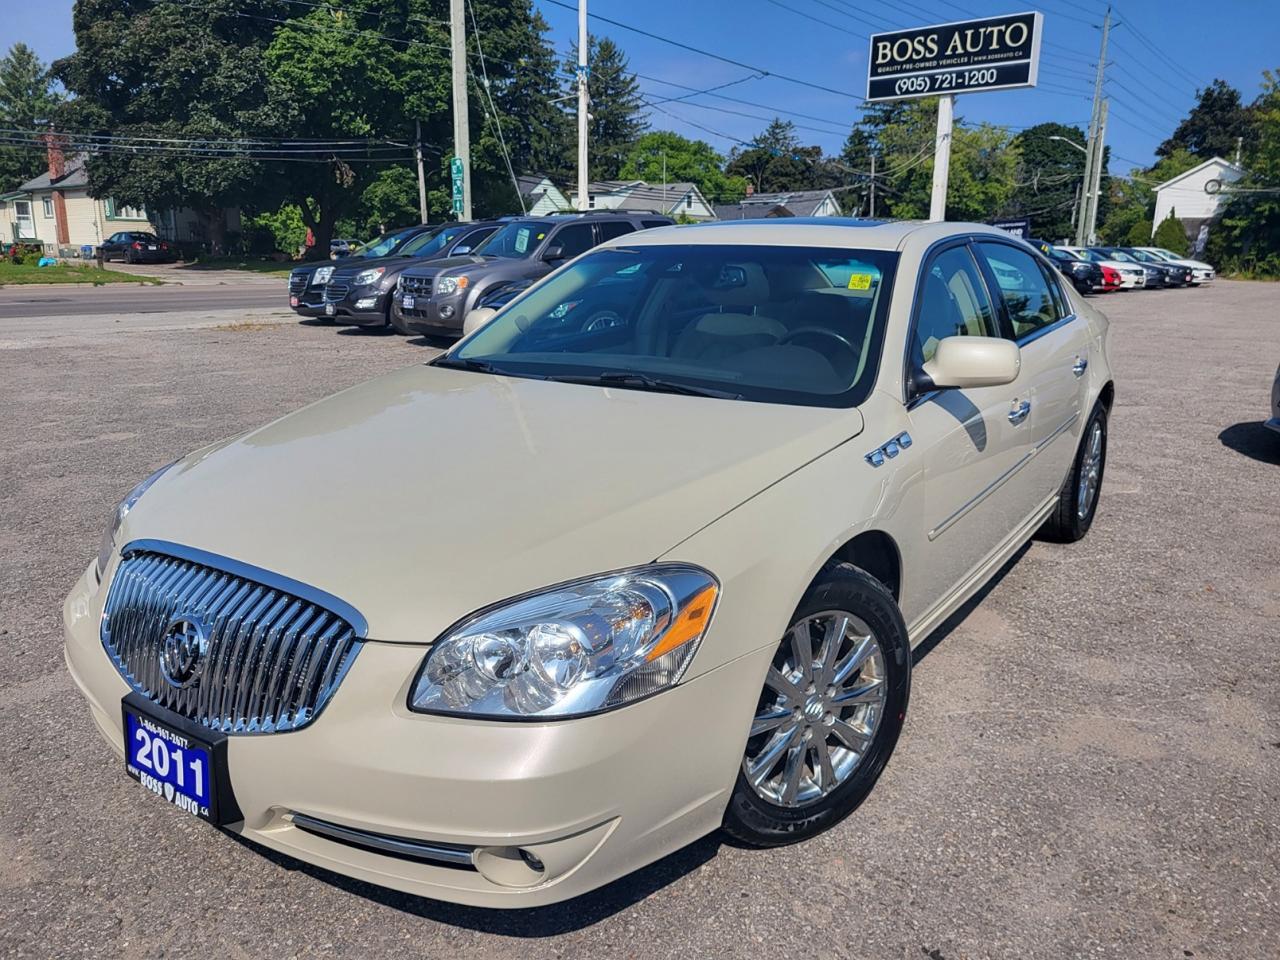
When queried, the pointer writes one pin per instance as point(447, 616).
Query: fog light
point(366, 304)
point(446, 311)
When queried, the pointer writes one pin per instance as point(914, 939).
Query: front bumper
point(362, 306)
point(591, 799)
point(1199, 276)
point(426, 317)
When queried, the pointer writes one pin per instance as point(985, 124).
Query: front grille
point(297, 282)
point(269, 658)
point(416, 286)
point(336, 291)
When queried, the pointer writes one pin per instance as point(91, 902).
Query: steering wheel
point(822, 332)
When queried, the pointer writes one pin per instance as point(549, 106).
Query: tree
point(776, 162)
point(616, 114)
point(984, 171)
point(389, 201)
point(661, 155)
point(1049, 177)
point(27, 99)
point(1171, 235)
point(540, 133)
point(1133, 200)
point(1212, 127)
point(153, 70)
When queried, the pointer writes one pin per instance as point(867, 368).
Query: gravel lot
point(1091, 766)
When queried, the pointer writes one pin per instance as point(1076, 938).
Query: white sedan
point(659, 576)
point(1201, 272)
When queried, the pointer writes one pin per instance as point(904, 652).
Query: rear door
point(1055, 354)
point(976, 439)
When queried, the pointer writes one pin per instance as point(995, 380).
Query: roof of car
point(808, 231)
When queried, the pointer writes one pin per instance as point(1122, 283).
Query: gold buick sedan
point(680, 512)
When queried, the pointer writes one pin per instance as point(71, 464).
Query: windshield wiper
point(642, 381)
point(465, 363)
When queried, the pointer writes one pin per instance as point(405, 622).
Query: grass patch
point(17, 273)
point(267, 267)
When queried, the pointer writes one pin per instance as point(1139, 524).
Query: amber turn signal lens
point(688, 625)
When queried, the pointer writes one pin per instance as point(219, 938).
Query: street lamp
point(1071, 143)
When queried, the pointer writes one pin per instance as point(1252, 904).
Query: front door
point(977, 439)
point(24, 221)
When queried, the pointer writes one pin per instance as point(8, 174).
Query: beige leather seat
point(736, 326)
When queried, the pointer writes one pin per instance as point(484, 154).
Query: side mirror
point(553, 252)
point(974, 362)
point(461, 249)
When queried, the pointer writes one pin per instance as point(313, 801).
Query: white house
point(541, 196)
point(673, 199)
point(796, 203)
point(1195, 196)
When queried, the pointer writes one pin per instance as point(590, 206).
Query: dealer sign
point(995, 53)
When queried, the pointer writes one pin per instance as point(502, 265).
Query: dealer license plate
point(408, 303)
point(330, 309)
point(293, 301)
point(186, 770)
point(151, 246)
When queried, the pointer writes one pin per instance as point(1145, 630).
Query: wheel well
point(1108, 395)
point(875, 552)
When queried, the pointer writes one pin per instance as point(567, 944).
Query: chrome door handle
point(1020, 412)
point(1080, 366)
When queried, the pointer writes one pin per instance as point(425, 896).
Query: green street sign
point(457, 206)
point(455, 168)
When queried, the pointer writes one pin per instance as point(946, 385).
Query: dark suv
point(359, 292)
point(307, 280)
point(1084, 275)
point(434, 298)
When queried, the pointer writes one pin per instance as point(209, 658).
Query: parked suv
point(360, 292)
point(434, 298)
point(1084, 275)
point(307, 281)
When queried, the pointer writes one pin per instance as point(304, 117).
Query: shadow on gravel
point(1254, 441)
point(568, 917)
point(945, 628)
point(437, 343)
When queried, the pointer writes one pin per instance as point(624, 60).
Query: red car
point(1110, 279)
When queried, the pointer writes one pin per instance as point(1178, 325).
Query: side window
point(954, 302)
point(472, 239)
point(649, 224)
point(615, 228)
point(1060, 301)
point(1022, 286)
point(575, 239)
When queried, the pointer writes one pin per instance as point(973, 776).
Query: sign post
point(456, 171)
point(995, 53)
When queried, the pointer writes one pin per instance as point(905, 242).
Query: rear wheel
point(1078, 498)
point(830, 713)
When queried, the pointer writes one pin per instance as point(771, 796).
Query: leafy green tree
point(1212, 127)
point(389, 201)
point(984, 170)
point(153, 70)
point(1248, 238)
point(1171, 235)
point(27, 99)
point(540, 133)
point(617, 108)
point(1133, 200)
point(776, 162)
point(661, 155)
point(1049, 177)
point(1139, 235)
point(281, 230)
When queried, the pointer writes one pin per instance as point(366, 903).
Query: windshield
point(1118, 255)
point(430, 243)
point(1164, 254)
point(387, 244)
point(779, 324)
point(514, 241)
point(1143, 257)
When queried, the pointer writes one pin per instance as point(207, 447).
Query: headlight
point(108, 545)
point(323, 274)
point(575, 649)
point(365, 277)
point(449, 285)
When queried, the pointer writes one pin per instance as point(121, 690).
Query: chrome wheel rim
point(822, 703)
point(1090, 472)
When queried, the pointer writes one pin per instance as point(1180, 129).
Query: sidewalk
point(192, 274)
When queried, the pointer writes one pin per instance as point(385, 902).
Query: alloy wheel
point(1090, 472)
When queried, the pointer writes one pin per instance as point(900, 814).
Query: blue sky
point(1149, 90)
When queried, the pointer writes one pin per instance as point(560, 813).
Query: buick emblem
point(182, 651)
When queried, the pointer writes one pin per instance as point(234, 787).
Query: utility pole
point(461, 120)
point(584, 103)
point(1091, 231)
point(942, 157)
point(422, 180)
point(1093, 156)
point(872, 212)
point(1239, 147)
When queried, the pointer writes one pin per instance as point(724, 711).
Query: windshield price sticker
point(860, 281)
point(996, 53)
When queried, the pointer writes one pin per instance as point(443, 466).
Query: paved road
point(1090, 768)
point(63, 300)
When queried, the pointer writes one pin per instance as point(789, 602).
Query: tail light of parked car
point(137, 245)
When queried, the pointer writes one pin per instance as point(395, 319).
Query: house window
point(591, 201)
point(117, 212)
point(688, 201)
point(48, 208)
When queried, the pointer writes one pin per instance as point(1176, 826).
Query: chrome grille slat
point(276, 651)
point(336, 291)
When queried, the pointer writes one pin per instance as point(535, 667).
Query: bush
point(282, 230)
point(1139, 235)
point(1172, 236)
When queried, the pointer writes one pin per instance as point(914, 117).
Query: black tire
point(1068, 522)
point(756, 821)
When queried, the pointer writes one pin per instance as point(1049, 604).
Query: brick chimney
point(57, 170)
point(750, 188)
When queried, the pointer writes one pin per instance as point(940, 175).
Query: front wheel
point(1078, 498)
point(830, 713)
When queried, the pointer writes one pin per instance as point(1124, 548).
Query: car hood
point(428, 493)
point(472, 266)
point(349, 266)
point(1197, 264)
point(1122, 266)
